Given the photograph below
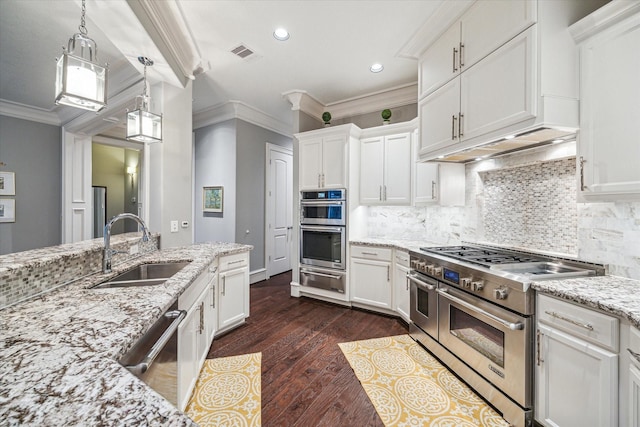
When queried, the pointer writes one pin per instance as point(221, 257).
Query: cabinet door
point(576, 382)
point(426, 183)
point(610, 113)
point(371, 283)
point(499, 91)
point(334, 162)
point(401, 291)
point(371, 170)
point(232, 295)
point(489, 24)
point(310, 164)
point(397, 169)
point(634, 396)
point(438, 114)
point(187, 356)
point(440, 62)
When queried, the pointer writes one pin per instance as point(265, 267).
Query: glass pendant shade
point(81, 83)
point(144, 126)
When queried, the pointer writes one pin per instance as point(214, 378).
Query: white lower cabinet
point(233, 291)
point(401, 284)
point(634, 396)
point(370, 277)
point(576, 366)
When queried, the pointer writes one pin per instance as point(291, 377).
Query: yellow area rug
point(409, 387)
point(228, 392)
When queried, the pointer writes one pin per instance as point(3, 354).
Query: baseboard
point(257, 276)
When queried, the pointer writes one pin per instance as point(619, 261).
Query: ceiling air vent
point(242, 51)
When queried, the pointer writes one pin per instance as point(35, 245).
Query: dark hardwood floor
point(306, 380)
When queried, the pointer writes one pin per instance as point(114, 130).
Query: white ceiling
point(328, 55)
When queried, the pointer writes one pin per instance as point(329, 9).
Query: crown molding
point(27, 112)
point(603, 18)
point(377, 101)
point(239, 110)
point(433, 27)
point(301, 100)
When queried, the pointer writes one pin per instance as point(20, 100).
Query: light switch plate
point(174, 226)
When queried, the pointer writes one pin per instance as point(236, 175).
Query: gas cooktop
point(484, 256)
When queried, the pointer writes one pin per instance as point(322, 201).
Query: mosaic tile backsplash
point(532, 206)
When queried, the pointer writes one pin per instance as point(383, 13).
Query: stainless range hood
point(512, 143)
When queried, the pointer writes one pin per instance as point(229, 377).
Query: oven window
point(323, 212)
point(322, 245)
point(422, 303)
point(484, 338)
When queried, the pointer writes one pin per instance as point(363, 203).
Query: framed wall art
point(7, 210)
point(212, 198)
point(7, 184)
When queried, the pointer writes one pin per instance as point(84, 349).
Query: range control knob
point(430, 268)
point(477, 286)
point(500, 293)
point(465, 282)
point(437, 271)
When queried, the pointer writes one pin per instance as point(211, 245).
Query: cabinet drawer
point(231, 262)
point(369, 252)
point(402, 258)
point(581, 322)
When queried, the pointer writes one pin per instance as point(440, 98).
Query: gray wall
point(405, 113)
point(215, 165)
point(232, 154)
point(33, 151)
point(250, 181)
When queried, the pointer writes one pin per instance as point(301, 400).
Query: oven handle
point(334, 202)
point(330, 276)
point(306, 227)
point(513, 326)
point(420, 283)
point(148, 360)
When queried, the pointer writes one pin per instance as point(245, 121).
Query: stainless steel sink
point(144, 275)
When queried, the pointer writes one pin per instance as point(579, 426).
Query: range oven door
point(495, 342)
point(323, 246)
point(423, 309)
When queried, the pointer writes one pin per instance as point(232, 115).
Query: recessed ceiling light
point(509, 137)
point(376, 68)
point(281, 34)
point(557, 141)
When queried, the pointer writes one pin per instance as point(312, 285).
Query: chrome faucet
point(107, 252)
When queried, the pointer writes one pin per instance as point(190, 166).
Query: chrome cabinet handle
point(224, 285)
point(460, 126)
point(213, 296)
point(454, 59)
point(370, 253)
point(147, 361)
point(461, 52)
point(407, 281)
point(380, 194)
point(511, 325)
point(582, 162)
point(388, 273)
point(236, 262)
point(433, 190)
point(201, 328)
point(539, 336)
point(384, 193)
point(587, 326)
point(453, 126)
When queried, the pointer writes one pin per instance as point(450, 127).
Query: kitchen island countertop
point(59, 350)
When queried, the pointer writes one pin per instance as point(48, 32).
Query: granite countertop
point(618, 296)
point(615, 295)
point(59, 350)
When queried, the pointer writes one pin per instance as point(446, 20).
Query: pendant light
point(142, 125)
point(80, 81)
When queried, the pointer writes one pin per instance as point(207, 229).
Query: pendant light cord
point(82, 27)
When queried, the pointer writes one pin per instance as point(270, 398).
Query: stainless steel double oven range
point(472, 306)
point(323, 222)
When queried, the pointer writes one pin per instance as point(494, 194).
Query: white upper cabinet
point(322, 160)
point(609, 139)
point(385, 170)
point(513, 70)
point(439, 183)
point(470, 39)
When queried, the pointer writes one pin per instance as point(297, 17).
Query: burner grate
point(482, 256)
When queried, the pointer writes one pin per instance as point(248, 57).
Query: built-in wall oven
point(323, 237)
point(473, 307)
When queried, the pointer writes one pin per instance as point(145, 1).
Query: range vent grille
point(242, 51)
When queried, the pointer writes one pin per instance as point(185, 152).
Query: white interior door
point(77, 209)
point(279, 217)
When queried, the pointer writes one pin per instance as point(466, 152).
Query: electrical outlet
point(174, 226)
point(134, 249)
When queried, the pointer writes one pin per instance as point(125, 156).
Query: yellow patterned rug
point(409, 387)
point(228, 392)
